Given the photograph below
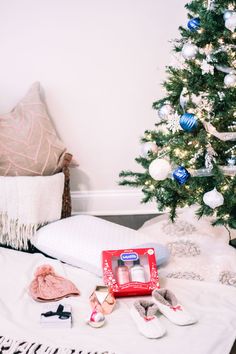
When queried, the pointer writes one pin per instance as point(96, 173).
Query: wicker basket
point(66, 200)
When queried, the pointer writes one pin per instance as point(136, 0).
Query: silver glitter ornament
point(210, 157)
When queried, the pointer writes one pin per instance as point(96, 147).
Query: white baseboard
point(111, 202)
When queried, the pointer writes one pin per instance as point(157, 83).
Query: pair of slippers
point(144, 313)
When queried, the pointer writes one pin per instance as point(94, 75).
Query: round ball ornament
point(96, 319)
point(147, 147)
point(227, 14)
point(188, 122)
point(194, 24)
point(181, 175)
point(189, 51)
point(159, 169)
point(213, 199)
point(165, 111)
point(230, 80)
point(230, 23)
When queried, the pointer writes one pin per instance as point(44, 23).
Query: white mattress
point(213, 304)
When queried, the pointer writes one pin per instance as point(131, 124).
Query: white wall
point(100, 63)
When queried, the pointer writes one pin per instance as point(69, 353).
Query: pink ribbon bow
point(149, 318)
point(176, 308)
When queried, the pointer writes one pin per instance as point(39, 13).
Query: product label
point(132, 256)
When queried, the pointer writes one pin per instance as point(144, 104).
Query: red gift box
point(130, 272)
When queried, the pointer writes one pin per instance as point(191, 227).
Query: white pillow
point(79, 240)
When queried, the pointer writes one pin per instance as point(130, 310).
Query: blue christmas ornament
point(188, 122)
point(181, 175)
point(194, 24)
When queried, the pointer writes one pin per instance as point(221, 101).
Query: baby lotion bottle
point(122, 273)
point(137, 272)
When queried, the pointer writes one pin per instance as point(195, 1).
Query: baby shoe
point(96, 319)
point(168, 305)
point(143, 313)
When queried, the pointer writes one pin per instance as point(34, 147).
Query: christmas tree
point(190, 156)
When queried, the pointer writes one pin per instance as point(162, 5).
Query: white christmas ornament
point(221, 95)
point(213, 199)
point(207, 68)
point(211, 5)
point(184, 98)
point(231, 161)
point(189, 51)
point(227, 14)
point(159, 169)
point(164, 111)
point(173, 123)
point(230, 80)
point(230, 23)
point(210, 157)
point(148, 147)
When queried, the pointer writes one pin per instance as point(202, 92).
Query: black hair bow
point(63, 315)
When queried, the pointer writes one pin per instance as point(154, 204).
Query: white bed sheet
point(213, 304)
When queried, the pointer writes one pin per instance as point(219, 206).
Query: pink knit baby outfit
point(48, 286)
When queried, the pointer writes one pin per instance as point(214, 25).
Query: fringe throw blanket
point(26, 203)
point(11, 346)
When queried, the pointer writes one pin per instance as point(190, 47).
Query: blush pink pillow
point(29, 145)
